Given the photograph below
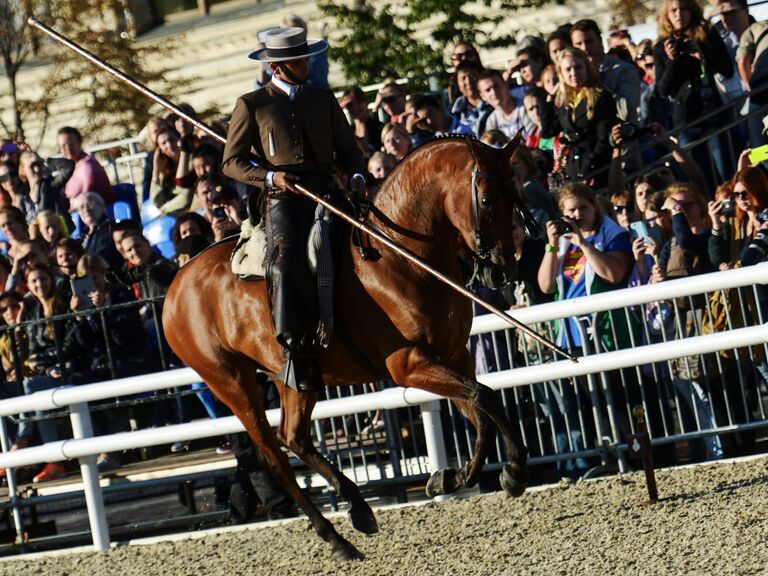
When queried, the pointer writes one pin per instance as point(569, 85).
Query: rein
point(482, 263)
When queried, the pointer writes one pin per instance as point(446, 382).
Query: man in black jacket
point(98, 235)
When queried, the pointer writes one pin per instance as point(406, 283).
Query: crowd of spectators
point(65, 256)
point(621, 202)
point(628, 158)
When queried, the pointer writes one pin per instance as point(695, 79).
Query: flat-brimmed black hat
point(283, 44)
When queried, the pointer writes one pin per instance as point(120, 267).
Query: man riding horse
point(284, 134)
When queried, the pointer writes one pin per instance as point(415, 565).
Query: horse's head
point(494, 201)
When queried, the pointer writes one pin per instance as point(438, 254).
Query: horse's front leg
point(448, 480)
point(295, 434)
point(417, 369)
point(514, 476)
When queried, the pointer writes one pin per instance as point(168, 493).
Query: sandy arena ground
point(714, 521)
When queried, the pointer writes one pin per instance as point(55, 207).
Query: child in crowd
point(49, 228)
point(380, 165)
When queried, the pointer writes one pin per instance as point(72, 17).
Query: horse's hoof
point(364, 522)
point(442, 482)
point(514, 479)
point(346, 552)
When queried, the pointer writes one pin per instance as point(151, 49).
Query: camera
point(681, 44)
point(562, 226)
point(519, 66)
point(219, 213)
point(728, 207)
point(630, 131)
point(762, 217)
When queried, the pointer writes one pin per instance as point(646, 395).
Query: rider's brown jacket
point(306, 135)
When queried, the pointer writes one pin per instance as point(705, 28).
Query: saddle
point(247, 263)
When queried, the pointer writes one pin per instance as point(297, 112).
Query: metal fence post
point(13, 491)
point(434, 438)
point(82, 427)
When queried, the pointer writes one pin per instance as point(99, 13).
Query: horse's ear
point(509, 150)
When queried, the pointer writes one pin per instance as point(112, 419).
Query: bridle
point(484, 271)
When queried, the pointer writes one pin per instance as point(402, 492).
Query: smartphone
point(641, 230)
point(219, 213)
point(82, 288)
point(759, 154)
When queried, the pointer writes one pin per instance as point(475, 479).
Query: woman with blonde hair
point(688, 55)
point(584, 116)
point(586, 253)
point(49, 228)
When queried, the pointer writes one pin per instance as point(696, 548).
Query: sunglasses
point(462, 55)
point(389, 99)
point(4, 309)
point(620, 208)
point(741, 194)
point(648, 65)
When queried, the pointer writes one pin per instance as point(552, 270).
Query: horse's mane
point(396, 172)
point(439, 140)
point(392, 180)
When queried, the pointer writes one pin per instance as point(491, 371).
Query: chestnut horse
point(447, 194)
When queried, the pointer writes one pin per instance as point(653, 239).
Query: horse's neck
point(411, 207)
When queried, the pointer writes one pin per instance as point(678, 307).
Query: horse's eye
point(485, 201)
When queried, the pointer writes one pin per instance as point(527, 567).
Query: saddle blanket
point(247, 262)
point(247, 258)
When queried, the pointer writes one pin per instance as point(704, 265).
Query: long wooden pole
point(379, 236)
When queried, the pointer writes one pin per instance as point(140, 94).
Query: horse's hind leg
point(234, 381)
point(415, 368)
point(295, 433)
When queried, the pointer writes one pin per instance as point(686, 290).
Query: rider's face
point(293, 71)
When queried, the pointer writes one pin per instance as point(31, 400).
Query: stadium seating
point(126, 204)
point(119, 210)
point(167, 249)
point(159, 233)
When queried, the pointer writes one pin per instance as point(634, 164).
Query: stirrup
point(302, 373)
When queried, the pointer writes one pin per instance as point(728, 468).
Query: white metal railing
point(85, 446)
point(131, 143)
point(391, 398)
point(626, 297)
